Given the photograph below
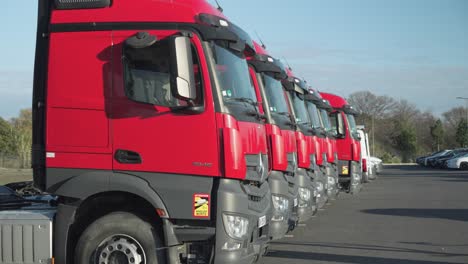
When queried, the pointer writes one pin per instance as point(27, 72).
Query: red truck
point(148, 134)
point(308, 144)
point(267, 74)
point(348, 143)
point(319, 110)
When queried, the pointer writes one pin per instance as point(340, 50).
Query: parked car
point(460, 162)
point(442, 162)
point(432, 162)
point(423, 160)
point(377, 164)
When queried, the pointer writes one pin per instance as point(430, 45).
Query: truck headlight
point(331, 181)
point(236, 226)
point(280, 203)
point(356, 177)
point(319, 187)
point(304, 194)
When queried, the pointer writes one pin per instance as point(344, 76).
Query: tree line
point(16, 139)
point(399, 131)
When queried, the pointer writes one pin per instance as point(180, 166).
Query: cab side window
point(147, 75)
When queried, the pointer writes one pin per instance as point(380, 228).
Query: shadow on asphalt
point(375, 248)
point(310, 256)
point(450, 214)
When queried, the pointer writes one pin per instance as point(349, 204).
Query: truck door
point(149, 133)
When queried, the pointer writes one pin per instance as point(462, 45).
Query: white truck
point(368, 169)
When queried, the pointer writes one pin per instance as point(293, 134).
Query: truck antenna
point(260, 39)
point(287, 63)
point(219, 6)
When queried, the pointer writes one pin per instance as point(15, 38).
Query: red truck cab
point(318, 109)
point(267, 74)
point(307, 150)
point(146, 109)
point(348, 144)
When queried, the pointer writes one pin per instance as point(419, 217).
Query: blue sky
point(413, 49)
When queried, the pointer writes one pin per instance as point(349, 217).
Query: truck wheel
point(119, 238)
point(464, 166)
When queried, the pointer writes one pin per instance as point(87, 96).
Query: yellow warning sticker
point(344, 170)
point(201, 205)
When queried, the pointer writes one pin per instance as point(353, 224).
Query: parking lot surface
point(410, 214)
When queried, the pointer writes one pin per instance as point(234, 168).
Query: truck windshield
point(275, 95)
point(233, 73)
point(326, 119)
point(300, 110)
point(351, 122)
point(312, 108)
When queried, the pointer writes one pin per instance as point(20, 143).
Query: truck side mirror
point(339, 125)
point(183, 77)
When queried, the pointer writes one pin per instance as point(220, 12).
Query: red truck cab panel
point(303, 150)
point(240, 139)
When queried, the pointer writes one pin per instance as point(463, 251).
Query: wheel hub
point(121, 249)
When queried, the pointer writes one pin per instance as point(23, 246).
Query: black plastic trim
point(206, 32)
point(81, 4)
point(39, 94)
point(64, 219)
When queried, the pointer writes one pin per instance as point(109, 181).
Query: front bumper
point(279, 186)
point(365, 177)
point(452, 165)
point(322, 193)
point(333, 185)
point(293, 191)
point(305, 209)
point(251, 202)
point(356, 178)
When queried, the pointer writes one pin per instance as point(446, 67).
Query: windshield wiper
point(292, 123)
point(255, 113)
point(242, 99)
point(283, 113)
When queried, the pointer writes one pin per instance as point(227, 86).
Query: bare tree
point(372, 105)
point(453, 116)
point(451, 120)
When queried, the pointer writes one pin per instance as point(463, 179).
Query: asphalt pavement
point(410, 215)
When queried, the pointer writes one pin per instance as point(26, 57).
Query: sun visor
point(218, 28)
point(266, 64)
point(348, 109)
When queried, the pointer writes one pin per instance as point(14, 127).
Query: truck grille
point(257, 167)
point(258, 196)
point(292, 162)
point(291, 183)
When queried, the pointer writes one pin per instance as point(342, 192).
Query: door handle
point(127, 157)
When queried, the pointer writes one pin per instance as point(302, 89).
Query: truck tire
point(119, 237)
